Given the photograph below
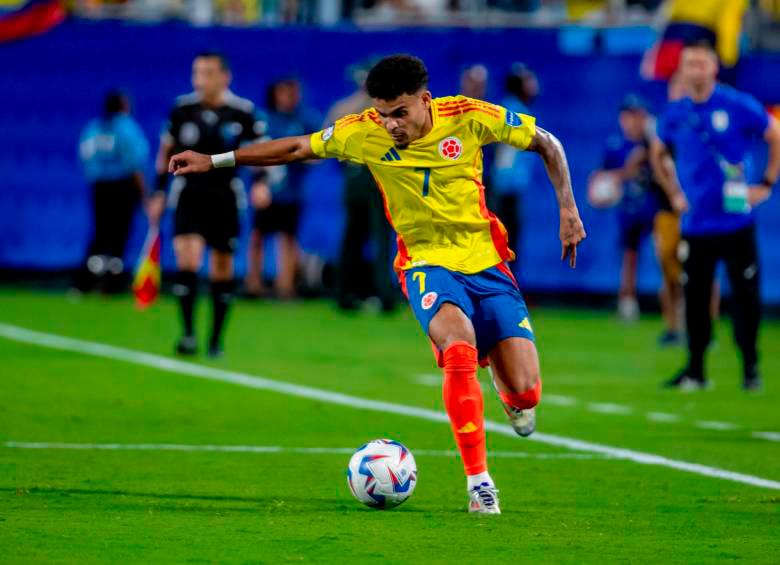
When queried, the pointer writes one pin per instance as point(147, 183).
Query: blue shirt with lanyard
point(711, 143)
point(113, 148)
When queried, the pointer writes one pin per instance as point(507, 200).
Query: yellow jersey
point(433, 192)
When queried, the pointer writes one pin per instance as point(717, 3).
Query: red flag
point(34, 18)
point(146, 285)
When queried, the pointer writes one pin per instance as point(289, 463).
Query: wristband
point(224, 160)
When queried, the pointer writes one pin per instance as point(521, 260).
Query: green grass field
point(157, 505)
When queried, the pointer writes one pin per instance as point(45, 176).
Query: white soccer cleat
point(523, 421)
point(483, 499)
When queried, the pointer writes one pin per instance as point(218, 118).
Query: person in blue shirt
point(114, 154)
point(626, 159)
point(512, 169)
point(710, 134)
point(277, 192)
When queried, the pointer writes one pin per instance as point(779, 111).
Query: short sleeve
point(255, 127)
point(501, 125)
point(342, 140)
point(170, 129)
point(754, 116)
point(135, 148)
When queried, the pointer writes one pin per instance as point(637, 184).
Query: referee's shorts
point(211, 212)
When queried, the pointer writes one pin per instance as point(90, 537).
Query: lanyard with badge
point(735, 186)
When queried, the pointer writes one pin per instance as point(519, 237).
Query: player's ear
point(426, 97)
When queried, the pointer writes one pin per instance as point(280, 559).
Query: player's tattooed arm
point(572, 232)
point(275, 152)
point(665, 174)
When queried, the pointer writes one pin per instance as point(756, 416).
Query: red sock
point(463, 401)
point(525, 399)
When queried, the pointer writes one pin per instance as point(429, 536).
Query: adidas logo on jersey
point(391, 155)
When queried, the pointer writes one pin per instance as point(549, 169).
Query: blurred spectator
point(512, 169)
point(114, 153)
point(474, 82)
point(360, 277)
point(711, 133)
point(626, 161)
point(716, 21)
point(278, 195)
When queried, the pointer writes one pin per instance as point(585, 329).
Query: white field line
point(609, 408)
point(771, 436)
point(272, 449)
point(663, 417)
point(170, 365)
point(559, 400)
point(718, 426)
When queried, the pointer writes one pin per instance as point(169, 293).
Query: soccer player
point(211, 119)
point(425, 154)
point(710, 133)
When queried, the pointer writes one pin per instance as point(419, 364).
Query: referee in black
point(710, 133)
point(210, 120)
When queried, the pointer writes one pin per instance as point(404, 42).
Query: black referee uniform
point(208, 204)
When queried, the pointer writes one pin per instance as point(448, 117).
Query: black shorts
point(278, 217)
point(211, 212)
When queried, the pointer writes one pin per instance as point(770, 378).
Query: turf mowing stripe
point(275, 449)
point(161, 363)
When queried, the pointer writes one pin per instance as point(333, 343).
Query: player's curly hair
point(396, 75)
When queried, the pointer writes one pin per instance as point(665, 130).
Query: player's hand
point(155, 207)
point(189, 162)
point(758, 194)
point(679, 203)
point(572, 234)
point(260, 196)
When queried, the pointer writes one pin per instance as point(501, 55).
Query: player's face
point(405, 117)
point(287, 96)
point(209, 79)
point(698, 67)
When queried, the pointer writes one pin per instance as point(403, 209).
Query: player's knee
point(525, 379)
point(451, 325)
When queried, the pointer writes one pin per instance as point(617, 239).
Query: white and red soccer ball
point(382, 473)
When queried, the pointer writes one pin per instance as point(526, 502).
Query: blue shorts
point(490, 298)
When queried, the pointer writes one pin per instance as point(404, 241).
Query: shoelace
point(487, 495)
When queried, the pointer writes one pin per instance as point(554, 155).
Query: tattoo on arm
point(551, 151)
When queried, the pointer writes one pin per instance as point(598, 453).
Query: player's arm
point(155, 205)
point(665, 175)
point(268, 153)
point(763, 190)
point(572, 232)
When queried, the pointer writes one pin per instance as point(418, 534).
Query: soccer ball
point(382, 473)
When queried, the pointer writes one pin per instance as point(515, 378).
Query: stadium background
point(53, 83)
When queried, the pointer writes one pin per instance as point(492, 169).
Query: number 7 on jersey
point(426, 171)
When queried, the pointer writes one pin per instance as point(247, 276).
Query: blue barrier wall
point(51, 85)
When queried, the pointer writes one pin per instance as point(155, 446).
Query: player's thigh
point(189, 249)
point(440, 304)
point(514, 362)
point(505, 336)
